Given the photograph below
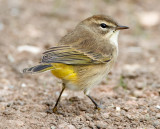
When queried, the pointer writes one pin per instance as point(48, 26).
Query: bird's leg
point(94, 102)
point(55, 106)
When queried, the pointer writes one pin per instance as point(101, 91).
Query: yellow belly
point(64, 72)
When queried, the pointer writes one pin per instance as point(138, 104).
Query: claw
point(50, 111)
point(54, 110)
point(98, 108)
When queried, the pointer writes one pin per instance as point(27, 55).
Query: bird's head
point(103, 26)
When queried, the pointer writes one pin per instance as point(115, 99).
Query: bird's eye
point(103, 25)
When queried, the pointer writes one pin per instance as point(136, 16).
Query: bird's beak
point(121, 27)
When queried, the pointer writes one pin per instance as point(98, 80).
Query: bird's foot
point(98, 107)
point(52, 110)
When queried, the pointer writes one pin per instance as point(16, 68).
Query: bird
point(83, 57)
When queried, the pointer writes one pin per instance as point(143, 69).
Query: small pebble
point(158, 106)
point(158, 115)
point(29, 48)
point(70, 127)
point(1, 26)
point(23, 85)
point(91, 125)
point(101, 125)
point(53, 127)
point(138, 93)
point(118, 109)
point(140, 85)
point(148, 19)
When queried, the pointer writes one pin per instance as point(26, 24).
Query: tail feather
point(38, 68)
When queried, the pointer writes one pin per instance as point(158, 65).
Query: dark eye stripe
point(103, 25)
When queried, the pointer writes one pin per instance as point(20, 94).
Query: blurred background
point(28, 27)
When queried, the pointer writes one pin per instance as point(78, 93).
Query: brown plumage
point(84, 56)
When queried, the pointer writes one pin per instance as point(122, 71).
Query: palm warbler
point(84, 56)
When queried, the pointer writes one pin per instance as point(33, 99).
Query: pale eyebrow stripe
point(107, 23)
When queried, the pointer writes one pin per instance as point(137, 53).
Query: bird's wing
point(70, 55)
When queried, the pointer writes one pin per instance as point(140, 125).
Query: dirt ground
point(130, 96)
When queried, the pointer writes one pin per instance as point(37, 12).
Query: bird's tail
point(38, 68)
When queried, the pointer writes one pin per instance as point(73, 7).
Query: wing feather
point(69, 55)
